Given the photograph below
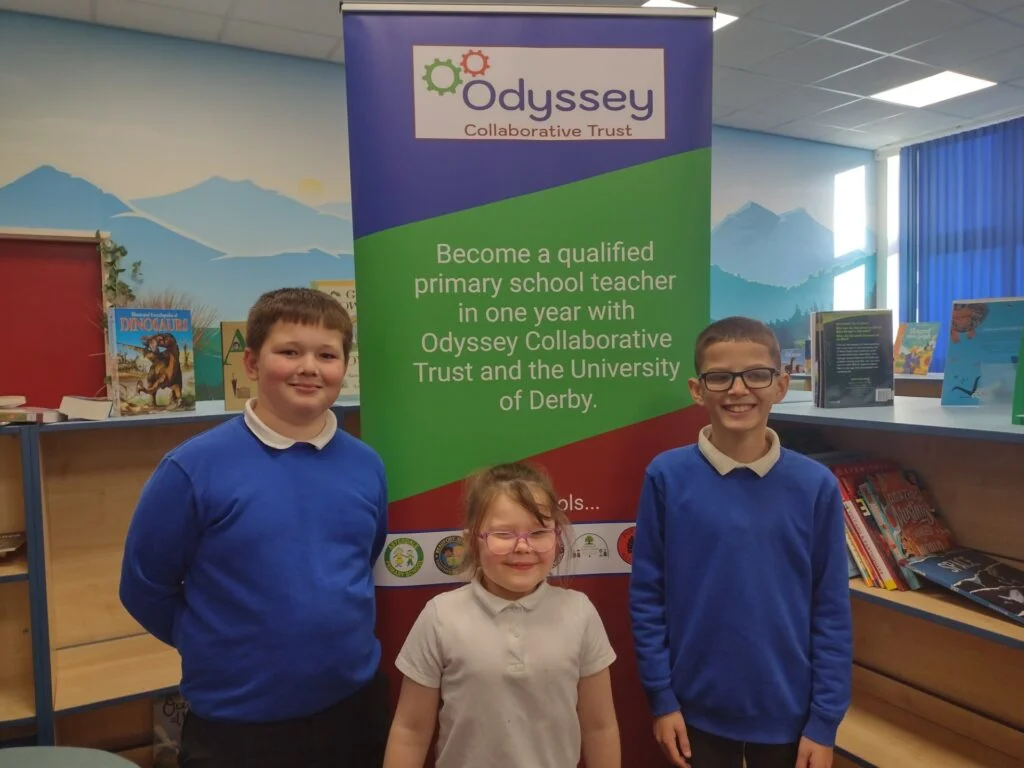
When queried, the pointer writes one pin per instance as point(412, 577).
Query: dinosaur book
point(151, 360)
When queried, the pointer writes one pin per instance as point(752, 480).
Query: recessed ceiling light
point(930, 90)
point(721, 19)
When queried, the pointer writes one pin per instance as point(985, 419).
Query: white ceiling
point(802, 68)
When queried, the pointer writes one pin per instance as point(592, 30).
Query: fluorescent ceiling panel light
point(721, 19)
point(930, 90)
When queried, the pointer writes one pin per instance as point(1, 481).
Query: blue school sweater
point(255, 563)
point(739, 597)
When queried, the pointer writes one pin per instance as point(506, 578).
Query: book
point(1017, 412)
point(86, 408)
point(984, 345)
point(985, 580)
point(150, 360)
point(915, 347)
point(238, 388)
point(345, 292)
point(852, 358)
point(11, 542)
point(28, 414)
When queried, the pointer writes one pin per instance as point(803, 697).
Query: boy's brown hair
point(519, 481)
point(736, 328)
point(304, 306)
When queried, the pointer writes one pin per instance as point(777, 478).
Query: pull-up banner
point(531, 211)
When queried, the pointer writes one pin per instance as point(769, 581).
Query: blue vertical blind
point(961, 223)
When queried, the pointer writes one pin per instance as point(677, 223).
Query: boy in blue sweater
point(251, 552)
point(739, 595)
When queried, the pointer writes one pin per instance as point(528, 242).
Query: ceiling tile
point(319, 17)
point(816, 16)
point(1003, 67)
point(815, 61)
point(908, 24)
point(858, 113)
point(802, 102)
point(954, 49)
point(752, 121)
point(991, 6)
point(278, 40)
point(914, 122)
point(79, 10)
point(130, 14)
point(216, 7)
point(737, 7)
point(994, 100)
point(866, 140)
point(747, 42)
point(812, 131)
point(742, 89)
point(1016, 15)
point(878, 75)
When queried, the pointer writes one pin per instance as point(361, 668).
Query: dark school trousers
point(350, 734)
point(710, 751)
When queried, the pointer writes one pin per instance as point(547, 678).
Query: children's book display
point(915, 348)
point(984, 347)
point(852, 358)
point(150, 360)
point(237, 386)
point(897, 538)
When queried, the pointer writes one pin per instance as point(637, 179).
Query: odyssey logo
point(559, 94)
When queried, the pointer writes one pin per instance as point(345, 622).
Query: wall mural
point(225, 173)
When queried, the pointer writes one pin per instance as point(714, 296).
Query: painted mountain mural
point(775, 267)
point(250, 220)
point(208, 260)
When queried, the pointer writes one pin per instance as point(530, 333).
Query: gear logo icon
point(442, 77)
point(475, 63)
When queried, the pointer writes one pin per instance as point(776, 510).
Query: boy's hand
point(810, 754)
point(670, 733)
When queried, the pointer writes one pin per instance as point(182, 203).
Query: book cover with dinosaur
point(984, 344)
point(151, 360)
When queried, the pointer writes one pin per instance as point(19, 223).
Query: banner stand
point(531, 211)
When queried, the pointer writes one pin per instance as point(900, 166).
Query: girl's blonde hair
point(519, 481)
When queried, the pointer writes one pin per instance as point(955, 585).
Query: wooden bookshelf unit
point(17, 681)
point(937, 678)
point(95, 672)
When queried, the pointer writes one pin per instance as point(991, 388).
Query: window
point(850, 211)
point(892, 237)
point(850, 229)
point(848, 289)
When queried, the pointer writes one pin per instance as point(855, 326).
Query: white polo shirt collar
point(725, 464)
point(495, 605)
point(273, 439)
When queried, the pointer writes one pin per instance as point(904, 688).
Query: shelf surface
point(881, 734)
point(206, 410)
point(17, 698)
point(943, 607)
point(14, 567)
point(112, 670)
point(920, 415)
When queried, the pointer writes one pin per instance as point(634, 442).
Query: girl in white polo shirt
point(519, 667)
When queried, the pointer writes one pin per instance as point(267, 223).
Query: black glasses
point(753, 378)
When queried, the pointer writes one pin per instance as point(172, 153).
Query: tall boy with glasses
point(739, 595)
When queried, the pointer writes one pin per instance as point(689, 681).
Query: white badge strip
point(423, 558)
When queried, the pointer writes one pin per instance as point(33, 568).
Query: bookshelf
point(17, 680)
point(937, 678)
point(96, 670)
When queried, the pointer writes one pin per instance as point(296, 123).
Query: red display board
point(51, 333)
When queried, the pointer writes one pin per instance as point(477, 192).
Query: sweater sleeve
point(831, 622)
point(647, 600)
point(161, 540)
point(381, 534)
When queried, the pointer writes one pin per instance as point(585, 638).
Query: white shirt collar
point(269, 437)
point(496, 605)
point(725, 464)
